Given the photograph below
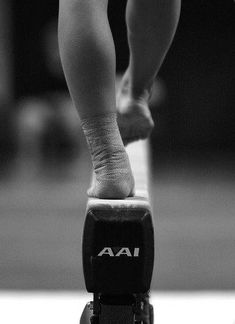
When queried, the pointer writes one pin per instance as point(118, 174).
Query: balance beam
point(118, 251)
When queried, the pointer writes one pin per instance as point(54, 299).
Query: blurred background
point(45, 167)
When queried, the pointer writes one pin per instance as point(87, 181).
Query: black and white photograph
point(117, 162)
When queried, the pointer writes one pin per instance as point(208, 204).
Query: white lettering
point(123, 251)
point(136, 252)
point(106, 251)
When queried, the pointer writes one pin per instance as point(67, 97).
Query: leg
point(151, 26)
point(88, 58)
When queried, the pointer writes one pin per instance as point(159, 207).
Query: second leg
point(151, 25)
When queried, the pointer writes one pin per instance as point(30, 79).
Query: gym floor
point(42, 213)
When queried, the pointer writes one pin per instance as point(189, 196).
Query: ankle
point(101, 131)
point(107, 159)
point(137, 91)
point(140, 94)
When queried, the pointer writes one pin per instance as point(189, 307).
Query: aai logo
point(118, 252)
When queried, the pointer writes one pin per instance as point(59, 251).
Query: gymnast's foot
point(133, 114)
point(113, 177)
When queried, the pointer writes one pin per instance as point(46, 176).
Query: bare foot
point(112, 177)
point(133, 114)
